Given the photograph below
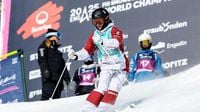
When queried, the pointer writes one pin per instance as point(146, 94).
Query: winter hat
point(52, 32)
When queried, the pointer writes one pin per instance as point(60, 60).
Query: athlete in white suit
point(107, 40)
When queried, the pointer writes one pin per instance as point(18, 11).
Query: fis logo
point(47, 16)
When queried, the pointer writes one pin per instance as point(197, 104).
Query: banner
point(12, 85)
point(173, 24)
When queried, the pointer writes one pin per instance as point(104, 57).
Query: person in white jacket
point(107, 40)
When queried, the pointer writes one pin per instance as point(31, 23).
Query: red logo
point(38, 22)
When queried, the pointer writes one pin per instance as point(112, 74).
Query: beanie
point(52, 32)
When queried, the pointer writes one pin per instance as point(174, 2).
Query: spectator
point(51, 63)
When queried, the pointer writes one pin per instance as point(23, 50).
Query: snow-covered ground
point(176, 93)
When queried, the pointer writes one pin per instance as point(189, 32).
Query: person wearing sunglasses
point(107, 40)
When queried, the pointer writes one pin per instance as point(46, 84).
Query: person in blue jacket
point(145, 64)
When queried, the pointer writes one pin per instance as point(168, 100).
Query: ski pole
point(59, 80)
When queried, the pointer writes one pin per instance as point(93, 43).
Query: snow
point(176, 93)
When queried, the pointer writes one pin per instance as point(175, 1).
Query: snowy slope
point(177, 93)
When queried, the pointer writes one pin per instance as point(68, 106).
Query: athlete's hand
point(72, 54)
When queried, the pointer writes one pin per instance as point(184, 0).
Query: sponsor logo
point(175, 45)
point(176, 63)
point(162, 45)
point(47, 16)
point(34, 74)
point(159, 45)
point(34, 93)
point(81, 14)
point(7, 80)
point(167, 26)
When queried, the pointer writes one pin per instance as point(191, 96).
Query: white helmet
point(144, 36)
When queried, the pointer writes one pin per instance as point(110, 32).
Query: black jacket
point(51, 63)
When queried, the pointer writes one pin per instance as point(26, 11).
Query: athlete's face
point(145, 44)
point(98, 23)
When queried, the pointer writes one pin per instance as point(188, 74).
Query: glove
point(72, 85)
point(46, 74)
point(97, 39)
point(72, 54)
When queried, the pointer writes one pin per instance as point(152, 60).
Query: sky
point(176, 93)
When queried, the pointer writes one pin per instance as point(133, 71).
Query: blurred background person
point(145, 64)
point(51, 63)
point(86, 77)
